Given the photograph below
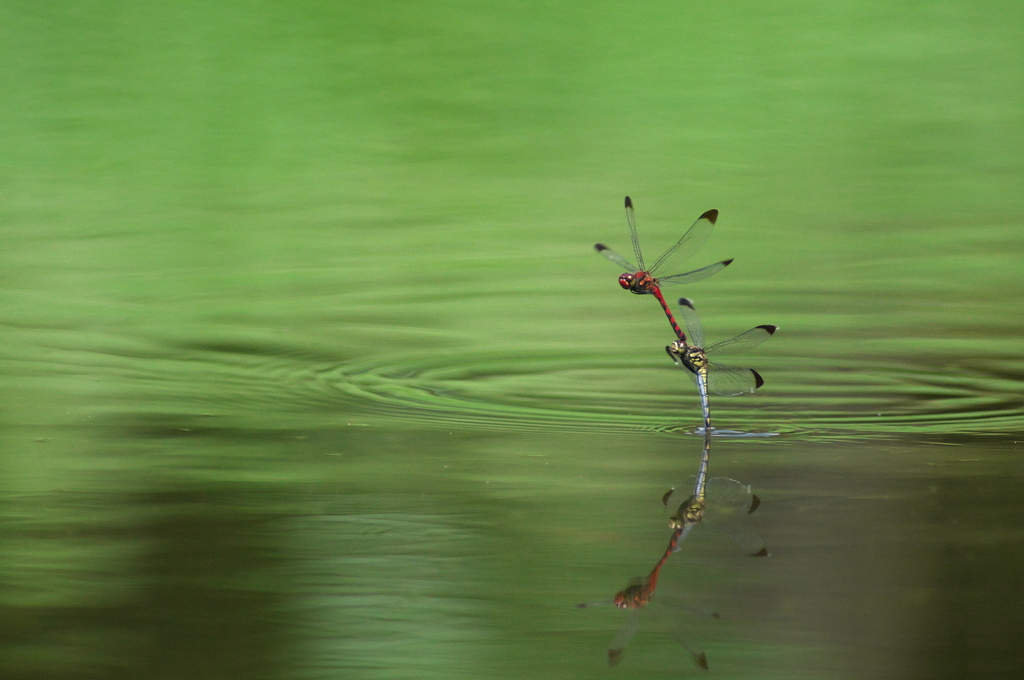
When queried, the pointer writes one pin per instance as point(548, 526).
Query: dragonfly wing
point(744, 536)
point(692, 321)
point(730, 381)
point(629, 628)
point(668, 496)
point(694, 276)
point(615, 257)
point(631, 220)
point(698, 656)
point(675, 495)
point(686, 246)
point(729, 497)
point(728, 505)
point(743, 341)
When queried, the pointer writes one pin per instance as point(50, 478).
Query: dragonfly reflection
point(721, 504)
point(637, 596)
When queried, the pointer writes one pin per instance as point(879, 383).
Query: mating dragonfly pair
point(690, 352)
point(721, 504)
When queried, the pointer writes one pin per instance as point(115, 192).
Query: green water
point(310, 369)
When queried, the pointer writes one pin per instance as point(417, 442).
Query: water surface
point(310, 369)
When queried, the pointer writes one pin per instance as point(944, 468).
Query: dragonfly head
point(630, 598)
point(690, 357)
point(640, 283)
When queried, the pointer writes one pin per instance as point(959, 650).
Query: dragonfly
point(711, 376)
point(635, 598)
point(719, 503)
point(644, 280)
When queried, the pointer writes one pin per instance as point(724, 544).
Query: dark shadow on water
point(911, 570)
point(211, 588)
point(975, 610)
point(191, 588)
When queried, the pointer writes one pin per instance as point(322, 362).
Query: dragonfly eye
point(626, 281)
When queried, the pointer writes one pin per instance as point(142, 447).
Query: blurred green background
point(310, 369)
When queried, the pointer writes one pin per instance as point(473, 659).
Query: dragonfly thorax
point(690, 512)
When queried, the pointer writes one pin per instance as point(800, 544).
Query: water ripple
point(578, 390)
point(809, 398)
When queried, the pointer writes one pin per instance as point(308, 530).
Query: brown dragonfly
point(711, 376)
point(721, 504)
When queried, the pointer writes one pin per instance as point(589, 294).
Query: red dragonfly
point(644, 281)
point(637, 596)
